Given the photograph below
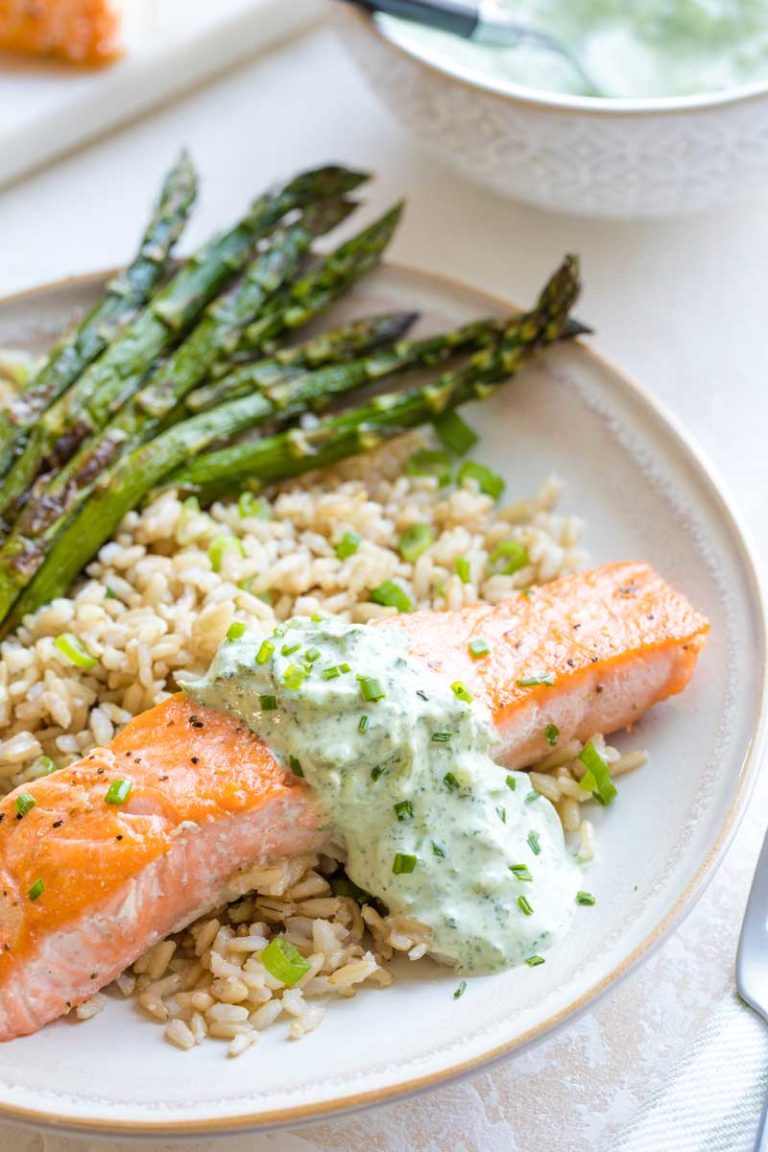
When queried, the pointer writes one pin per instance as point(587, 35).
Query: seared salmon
point(82, 31)
point(92, 878)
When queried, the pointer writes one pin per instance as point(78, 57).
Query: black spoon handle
point(448, 15)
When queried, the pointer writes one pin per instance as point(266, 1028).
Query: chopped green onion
point(585, 898)
point(343, 886)
point(596, 779)
point(219, 546)
point(460, 990)
point(312, 654)
point(415, 541)
point(441, 737)
point(391, 595)
point(438, 850)
point(546, 678)
point(479, 648)
point(509, 557)
point(371, 689)
point(344, 668)
point(455, 433)
point(25, 803)
point(487, 480)
point(331, 673)
point(289, 649)
point(430, 463)
point(451, 782)
point(75, 651)
point(532, 796)
point(109, 593)
point(36, 890)
point(511, 783)
point(268, 703)
point(283, 961)
point(294, 677)
point(362, 724)
point(376, 772)
point(521, 871)
point(296, 767)
point(235, 630)
point(404, 810)
point(265, 652)
point(461, 692)
point(534, 961)
point(403, 863)
point(118, 791)
point(249, 505)
point(524, 906)
point(552, 734)
point(45, 765)
point(463, 570)
point(347, 546)
point(502, 814)
point(533, 843)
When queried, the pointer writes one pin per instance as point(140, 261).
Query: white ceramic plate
point(645, 495)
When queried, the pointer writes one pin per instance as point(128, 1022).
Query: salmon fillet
point(86, 887)
point(82, 31)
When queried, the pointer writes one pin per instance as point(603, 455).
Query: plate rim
point(719, 493)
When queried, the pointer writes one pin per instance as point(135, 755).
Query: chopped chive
point(296, 767)
point(312, 654)
point(524, 906)
point(521, 871)
point(463, 570)
point(289, 649)
point(376, 772)
point(343, 886)
point(532, 795)
point(249, 505)
point(585, 898)
point(283, 961)
point(451, 782)
point(118, 792)
point(36, 890)
point(347, 546)
point(265, 652)
point(235, 630)
point(294, 677)
point(25, 803)
point(487, 480)
point(404, 810)
point(371, 689)
point(441, 737)
point(344, 668)
point(317, 617)
point(362, 724)
point(552, 734)
point(279, 630)
point(502, 814)
point(45, 765)
point(597, 778)
point(460, 990)
point(534, 961)
point(508, 557)
point(431, 463)
point(218, 548)
point(414, 541)
point(109, 593)
point(533, 843)
point(461, 692)
point(391, 595)
point(403, 863)
point(546, 678)
point(479, 648)
point(74, 651)
point(438, 850)
point(511, 783)
point(331, 673)
point(268, 703)
point(455, 433)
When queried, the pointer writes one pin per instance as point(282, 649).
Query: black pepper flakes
point(195, 759)
point(57, 824)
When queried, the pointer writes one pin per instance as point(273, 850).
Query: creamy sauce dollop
point(432, 826)
point(647, 48)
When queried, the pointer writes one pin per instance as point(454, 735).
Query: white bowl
point(619, 158)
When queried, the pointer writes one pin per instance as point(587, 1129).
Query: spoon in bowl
point(485, 22)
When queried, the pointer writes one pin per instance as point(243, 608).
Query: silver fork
point(752, 962)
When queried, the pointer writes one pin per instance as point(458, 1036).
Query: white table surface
point(681, 305)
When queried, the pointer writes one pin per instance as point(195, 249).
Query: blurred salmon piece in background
point(89, 32)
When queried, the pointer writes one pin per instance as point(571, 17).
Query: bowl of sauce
point(675, 120)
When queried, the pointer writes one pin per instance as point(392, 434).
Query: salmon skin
point(88, 885)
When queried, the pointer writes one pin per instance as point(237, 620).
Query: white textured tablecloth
point(667, 1062)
